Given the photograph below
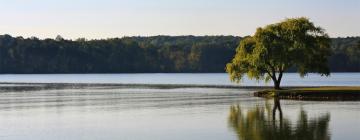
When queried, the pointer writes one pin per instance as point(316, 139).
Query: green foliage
point(346, 54)
point(140, 54)
point(278, 47)
point(117, 55)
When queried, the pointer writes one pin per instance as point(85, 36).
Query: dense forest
point(155, 54)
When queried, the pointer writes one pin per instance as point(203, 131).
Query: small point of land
point(315, 93)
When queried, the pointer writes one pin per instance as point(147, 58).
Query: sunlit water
point(289, 79)
point(151, 113)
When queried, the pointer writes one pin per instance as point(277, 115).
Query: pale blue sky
point(117, 18)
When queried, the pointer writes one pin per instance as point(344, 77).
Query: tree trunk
point(277, 84)
point(277, 81)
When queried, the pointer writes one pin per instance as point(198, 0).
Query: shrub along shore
point(314, 93)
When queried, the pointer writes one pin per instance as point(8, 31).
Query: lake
point(157, 113)
point(289, 79)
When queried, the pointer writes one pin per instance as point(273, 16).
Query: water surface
point(289, 79)
point(104, 111)
point(167, 113)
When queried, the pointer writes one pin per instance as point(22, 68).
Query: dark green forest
point(157, 54)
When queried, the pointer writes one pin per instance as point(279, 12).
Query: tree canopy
point(276, 48)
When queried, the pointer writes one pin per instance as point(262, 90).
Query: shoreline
point(325, 93)
point(314, 93)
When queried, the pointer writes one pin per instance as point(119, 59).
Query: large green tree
point(292, 43)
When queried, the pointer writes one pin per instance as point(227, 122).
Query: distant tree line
point(346, 54)
point(157, 54)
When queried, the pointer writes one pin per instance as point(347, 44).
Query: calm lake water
point(289, 79)
point(158, 113)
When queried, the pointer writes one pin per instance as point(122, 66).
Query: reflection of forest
point(257, 123)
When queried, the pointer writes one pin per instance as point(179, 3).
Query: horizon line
point(129, 36)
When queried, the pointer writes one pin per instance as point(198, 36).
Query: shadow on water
point(260, 123)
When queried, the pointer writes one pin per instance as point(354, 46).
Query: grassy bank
point(316, 93)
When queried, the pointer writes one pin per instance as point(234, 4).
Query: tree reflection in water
point(259, 123)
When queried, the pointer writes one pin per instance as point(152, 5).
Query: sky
point(95, 19)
